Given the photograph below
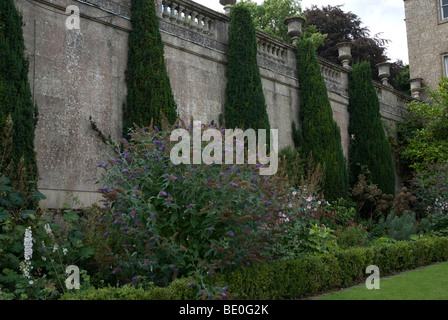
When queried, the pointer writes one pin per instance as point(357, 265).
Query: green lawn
point(429, 283)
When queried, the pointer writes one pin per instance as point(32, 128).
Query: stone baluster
point(173, 7)
point(206, 29)
point(270, 47)
point(281, 52)
point(265, 49)
point(200, 22)
point(275, 52)
point(187, 16)
point(165, 5)
point(180, 11)
point(193, 23)
point(260, 47)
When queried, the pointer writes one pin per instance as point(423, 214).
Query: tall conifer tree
point(369, 147)
point(321, 135)
point(15, 97)
point(148, 84)
point(245, 105)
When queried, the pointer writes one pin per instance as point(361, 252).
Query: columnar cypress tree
point(245, 105)
point(15, 96)
point(148, 84)
point(321, 135)
point(369, 146)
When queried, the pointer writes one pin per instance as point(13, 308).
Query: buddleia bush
point(164, 221)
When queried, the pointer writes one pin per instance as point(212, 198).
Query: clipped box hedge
point(293, 279)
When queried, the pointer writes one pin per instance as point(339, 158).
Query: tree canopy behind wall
point(148, 84)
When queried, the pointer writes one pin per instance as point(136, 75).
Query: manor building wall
point(427, 32)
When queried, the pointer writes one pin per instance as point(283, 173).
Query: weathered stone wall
point(77, 74)
point(427, 41)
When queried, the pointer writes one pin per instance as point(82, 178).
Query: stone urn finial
point(416, 87)
point(345, 53)
point(384, 72)
point(227, 5)
point(295, 25)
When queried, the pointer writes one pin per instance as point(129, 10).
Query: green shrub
point(352, 263)
point(436, 224)
point(292, 279)
point(429, 185)
point(40, 274)
point(177, 290)
point(351, 236)
point(397, 227)
point(392, 258)
point(164, 220)
point(423, 136)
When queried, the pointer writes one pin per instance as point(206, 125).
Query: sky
point(381, 16)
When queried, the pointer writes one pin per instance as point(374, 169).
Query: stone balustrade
point(189, 15)
point(271, 50)
point(331, 74)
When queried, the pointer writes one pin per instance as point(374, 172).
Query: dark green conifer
point(148, 84)
point(15, 98)
point(369, 148)
point(245, 105)
point(321, 135)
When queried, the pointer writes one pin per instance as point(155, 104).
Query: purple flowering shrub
point(165, 221)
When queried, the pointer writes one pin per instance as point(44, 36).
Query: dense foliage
point(165, 220)
point(148, 84)
point(321, 135)
point(269, 16)
point(423, 137)
point(369, 148)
